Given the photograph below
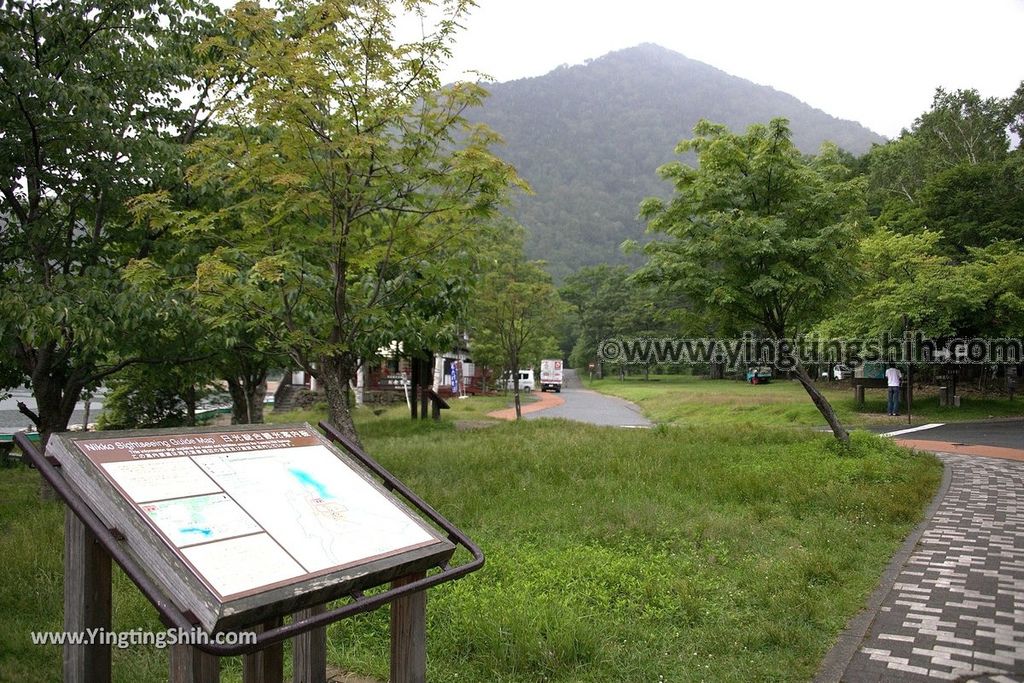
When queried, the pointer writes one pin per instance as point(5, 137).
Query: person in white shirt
point(893, 377)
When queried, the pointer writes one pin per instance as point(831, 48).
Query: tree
point(146, 397)
point(962, 140)
point(515, 311)
point(951, 197)
point(999, 268)
point(352, 186)
point(973, 205)
point(905, 275)
point(596, 296)
point(757, 233)
point(245, 372)
point(605, 302)
point(90, 116)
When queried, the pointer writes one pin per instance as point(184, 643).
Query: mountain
point(590, 138)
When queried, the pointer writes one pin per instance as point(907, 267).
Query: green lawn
point(690, 400)
point(726, 553)
point(471, 409)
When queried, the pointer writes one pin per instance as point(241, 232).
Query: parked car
point(526, 382)
point(839, 371)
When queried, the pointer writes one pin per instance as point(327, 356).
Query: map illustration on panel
point(321, 511)
point(200, 519)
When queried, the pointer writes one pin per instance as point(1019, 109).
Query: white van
point(526, 382)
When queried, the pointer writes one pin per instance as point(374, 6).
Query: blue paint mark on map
point(306, 479)
point(196, 530)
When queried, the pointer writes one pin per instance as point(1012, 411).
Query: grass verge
point(669, 554)
point(690, 400)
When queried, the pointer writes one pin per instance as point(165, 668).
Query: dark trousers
point(894, 400)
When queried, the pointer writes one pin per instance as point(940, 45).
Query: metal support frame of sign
point(173, 616)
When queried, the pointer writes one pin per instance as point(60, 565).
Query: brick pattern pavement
point(956, 612)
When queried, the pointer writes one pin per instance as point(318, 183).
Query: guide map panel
point(257, 508)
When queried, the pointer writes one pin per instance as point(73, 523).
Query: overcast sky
point(873, 61)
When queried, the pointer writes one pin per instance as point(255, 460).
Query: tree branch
point(27, 412)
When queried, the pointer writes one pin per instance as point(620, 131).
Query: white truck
point(551, 375)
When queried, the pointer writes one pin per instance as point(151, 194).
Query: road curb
point(838, 658)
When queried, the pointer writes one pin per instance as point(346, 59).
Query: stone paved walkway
point(956, 611)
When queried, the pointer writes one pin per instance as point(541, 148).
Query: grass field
point(471, 409)
point(690, 400)
point(729, 553)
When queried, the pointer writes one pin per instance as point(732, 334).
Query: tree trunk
point(88, 411)
point(515, 385)
point(286, 381)
point(335, 373)
point(247, 394)
point(415, 382)
point(191, 397)
point(716, 371)
point(823, 405)
point(55, 387)
point(54, 407)
point(55, 404)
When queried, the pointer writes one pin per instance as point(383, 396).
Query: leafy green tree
point(999, 269)
point(605, 302)
point(90, 114)
point(145, 397)
point(166, 394)
point(597, 296)
point(973, 205)
point(952, 171)
point(951, 192)
point(963, 127)
point(515, 311)
point(757, 233)
point(905, 275)
point(352, 188)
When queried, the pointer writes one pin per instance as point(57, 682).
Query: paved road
point(1001, 433)
point(583, 405)
point(956, 608)
point(11, 420)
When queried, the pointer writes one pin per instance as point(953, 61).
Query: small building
point(388, 377)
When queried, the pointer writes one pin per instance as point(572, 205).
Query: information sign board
point(247, 522)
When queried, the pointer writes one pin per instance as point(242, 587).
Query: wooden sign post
point(229, 532)
point(87, 604)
